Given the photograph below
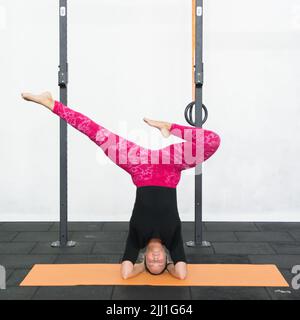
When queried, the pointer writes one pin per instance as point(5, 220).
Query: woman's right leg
point(123, 152)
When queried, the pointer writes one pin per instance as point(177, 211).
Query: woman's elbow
point(182, 276)
point(126, 269)
point(124, 276)
point(181, 270)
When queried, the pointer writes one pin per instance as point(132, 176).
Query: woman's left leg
point(199, 146)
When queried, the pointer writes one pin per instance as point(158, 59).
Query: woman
point(155, 223)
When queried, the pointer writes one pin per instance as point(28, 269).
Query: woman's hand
point(128, 270)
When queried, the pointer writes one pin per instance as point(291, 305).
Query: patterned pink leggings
point(147, 167)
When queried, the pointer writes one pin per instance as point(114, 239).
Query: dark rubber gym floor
point(24, 244)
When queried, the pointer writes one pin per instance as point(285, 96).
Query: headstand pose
point(155, 223)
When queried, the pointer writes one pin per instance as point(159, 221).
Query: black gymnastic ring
point(188, 113)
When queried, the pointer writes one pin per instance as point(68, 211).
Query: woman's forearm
point(137, 269)
point(178, 271)
point(172, 270)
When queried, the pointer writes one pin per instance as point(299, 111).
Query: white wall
point(130, 59)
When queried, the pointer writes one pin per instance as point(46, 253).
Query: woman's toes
point(26, 96)
point(152, 123)
point(159, 125)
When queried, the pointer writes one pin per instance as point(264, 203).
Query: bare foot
point(164, 127)
point(44, 99)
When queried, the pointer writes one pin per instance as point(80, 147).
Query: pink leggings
point(147, 167)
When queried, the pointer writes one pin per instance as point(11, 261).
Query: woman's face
point(155, 258)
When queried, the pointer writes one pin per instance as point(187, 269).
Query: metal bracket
point(63, 77)
point(199, 77)
point(193, 244)
point(57, 244)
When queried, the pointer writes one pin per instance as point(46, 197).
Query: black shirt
point(155, 215)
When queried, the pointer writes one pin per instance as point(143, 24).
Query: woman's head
point(155, 257)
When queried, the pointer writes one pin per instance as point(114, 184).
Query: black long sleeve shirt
point(155, 215)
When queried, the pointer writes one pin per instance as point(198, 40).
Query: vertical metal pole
point(63, 84)
point(198, 123)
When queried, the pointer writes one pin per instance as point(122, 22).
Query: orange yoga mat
point(248, 275)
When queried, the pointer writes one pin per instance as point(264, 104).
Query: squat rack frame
point(63, 80)
point(198, 80)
